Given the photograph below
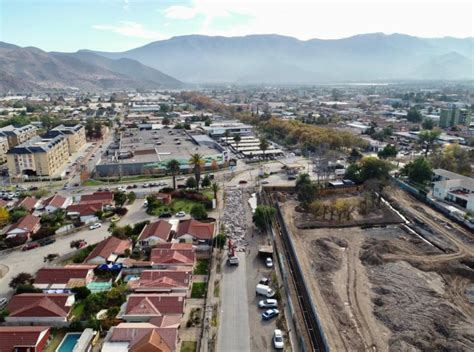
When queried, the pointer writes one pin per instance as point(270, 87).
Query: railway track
point(304, 299)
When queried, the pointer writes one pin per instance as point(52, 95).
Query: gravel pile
point(235, 218)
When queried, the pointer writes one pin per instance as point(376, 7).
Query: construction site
point(399, 277)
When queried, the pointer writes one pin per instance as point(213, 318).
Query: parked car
point(265, 182)
point(233, 260)
point(264, 281)
point(180, 214)
point(278, 341)
point(242, 182)
point(47, 241)
point(268, 303)
point(29, 246)
point(165, 215)
point(264, 290)
point(95, 226)
point(270, 313)
point(291, 177)
point(269, 262)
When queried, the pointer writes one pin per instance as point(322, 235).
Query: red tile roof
point(61, 275)
point(3, 203)
point(26, 223)
point(21, 336)
point(154, 304)
point(97, 197)
point(151, 342)
point(162, 279)
point(111, 245)
point(198, 229)
point(133, 332)
point(84, 209)
point(56, 201)
point(173, 256)
point(38, 305)
point(28, 203)
point(160, 229)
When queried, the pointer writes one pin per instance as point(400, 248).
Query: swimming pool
point(69, 341)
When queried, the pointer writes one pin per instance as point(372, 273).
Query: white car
point(180, 214)
point(268, 303)
point(122, 189)
point(269, 262)
point(95, 226)
point(278, 341)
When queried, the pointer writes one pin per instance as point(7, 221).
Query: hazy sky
point(115, 25)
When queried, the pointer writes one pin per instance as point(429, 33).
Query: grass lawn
point(198, 290)
point(78, 310)
point(58, 335)
point(176, 205)
point(188, 346)
point(91, 182)
point(201, 267)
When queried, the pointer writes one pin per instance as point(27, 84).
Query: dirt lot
point(385, 289)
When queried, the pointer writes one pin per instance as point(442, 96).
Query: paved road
point(234, 331)
point(31, 261)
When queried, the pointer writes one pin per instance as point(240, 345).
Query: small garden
point(188, 346)
point(202, 267)
point(198, 290)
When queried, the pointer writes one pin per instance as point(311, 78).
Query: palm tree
point(197, 163)
point(173, 168)
point(264, 145)
point(215, 189)
point(237, 140)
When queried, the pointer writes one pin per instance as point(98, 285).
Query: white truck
point(264, 290)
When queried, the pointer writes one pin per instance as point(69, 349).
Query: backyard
point(201, 267)
point(198, 290)
point(188, 346)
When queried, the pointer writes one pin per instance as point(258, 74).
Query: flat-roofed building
point(38, 157)
point(76, 136)
point(18, 135)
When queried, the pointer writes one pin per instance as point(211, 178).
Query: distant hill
point(30, 69)
point(279, 59)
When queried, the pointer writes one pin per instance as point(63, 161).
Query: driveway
point(234, 331)
point(31, 261)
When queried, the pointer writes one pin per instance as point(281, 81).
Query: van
point(264, 290)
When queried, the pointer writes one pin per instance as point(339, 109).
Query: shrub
point(27, 289)
point(198, 212)
point(43, 232)
point(81, 293)
point(21, 279)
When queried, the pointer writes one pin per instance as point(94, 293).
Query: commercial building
point(18, 135)
point(451, 187)
point(76, 136)
point(38, 157)
point(231, 127)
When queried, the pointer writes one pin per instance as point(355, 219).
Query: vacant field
point(384, 289)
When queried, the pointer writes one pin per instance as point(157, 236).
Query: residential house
point(54, 203)
point(154, 233)
point(27, 225)
point(104, 198)
point(40, 309)
point(64, 278)
point(17, 135)
point(86, 213)
point(29, 203)
point(144, 307)
point(162, 281)
point(165, 198)
point(108, 250)
point(451, 187)
point(172, 255)
point(194, 231)
point(23, 338)
point(140, 337)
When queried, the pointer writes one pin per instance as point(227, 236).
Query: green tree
point(215, 189)
point(120, 198)
point(453, 158)
point(428, 138)
point(263, 216)
point(131, 196)
point(191, 182)
point(173, 167)
point(17, 213)
point(414, 115)
point(389, 151)
point(427, 124)
point(21, 279)
point(81, 292)
point(198, 212)
point(219, 241)
point(418, 170)
point(206, 181)
point(166, 121)
point(264, 145)
point(197, 163)
point(305, 188)
point(237, 140)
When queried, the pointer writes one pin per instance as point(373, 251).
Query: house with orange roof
point(108, 251)
point(61, 278)
point(23, 338)
point(140, 337)
point(194, 231)
point(27, 225)
point(29, 203)
point(144, 307)
point(162, 281)
point(154, 233)
point(40, 309)
point(53, 203)
point(171, 255)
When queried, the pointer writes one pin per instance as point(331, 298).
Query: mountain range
point(253, 59)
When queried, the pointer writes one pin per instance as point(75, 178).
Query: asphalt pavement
point(234, 331)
